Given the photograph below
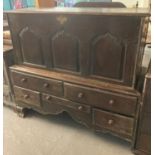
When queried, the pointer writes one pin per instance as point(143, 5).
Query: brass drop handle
point(80, 95)
point(80, 107)
point(26, 96)
point(111, 102)
point(110, 121)
point(46, 85)
point(23, 80)
point(48, 98)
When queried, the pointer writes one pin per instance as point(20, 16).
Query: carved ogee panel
point(31, 49)
point(65, 51)
point(107, 57)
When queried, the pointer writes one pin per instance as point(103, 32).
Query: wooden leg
point(20, 111)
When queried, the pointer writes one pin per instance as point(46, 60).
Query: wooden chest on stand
point(84, 61)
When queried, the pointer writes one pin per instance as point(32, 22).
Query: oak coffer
point(85, 61)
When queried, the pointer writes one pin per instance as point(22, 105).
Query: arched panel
point(65, 51)
point(31, 47)
point(108, 55)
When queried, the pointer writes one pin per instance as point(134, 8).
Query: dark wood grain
point(65, 51)
point(37, 83)
point(116, 123)
point(31, 45)
point(86, 11)
point(110, 101)
point(104, 47)
point(66, 103)
point(57, 43)
point(143, 137)
point(27, 96)
point(76, 80)
point(83, 61)
point(7, 88)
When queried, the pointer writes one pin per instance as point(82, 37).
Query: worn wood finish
point(27, 96)
point(37, 83)
point(143, 138)
point(75, 106)
point(110, 101)
point(75, 99)
point(90, 59)
point(87, 49)
point(118, 124)
point(76, 79)
point(85, 11)
point(7, 62)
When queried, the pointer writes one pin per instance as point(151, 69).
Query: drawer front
point(27, 96)
point(109, 101)
point(116, 123)
point(37, 83)
point(69, 104)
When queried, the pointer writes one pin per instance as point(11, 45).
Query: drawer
point(27, 96)
point(69, 104)
point(116, 123)
point(109, 101)
point(37, 83)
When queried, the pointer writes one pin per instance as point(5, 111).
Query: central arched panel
point(65, 51)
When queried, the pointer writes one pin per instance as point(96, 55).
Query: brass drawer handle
point(26, 96)
point(80, 95)
point(46, 85)
point(110, 121)
point(23, 80)
point(111, 102)
point(80, 107)
point(48, 98)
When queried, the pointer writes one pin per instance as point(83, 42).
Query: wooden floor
point(56, 135)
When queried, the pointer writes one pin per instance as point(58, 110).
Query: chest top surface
point(86, 11)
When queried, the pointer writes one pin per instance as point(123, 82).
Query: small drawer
point(122, 104)
point(116, 123)
point(27, 96)
point(66, 103)
point(37, 83)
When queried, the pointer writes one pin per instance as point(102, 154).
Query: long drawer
point(27, 96)
point(119, 124)
point(37, 83)
point(109, 101)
